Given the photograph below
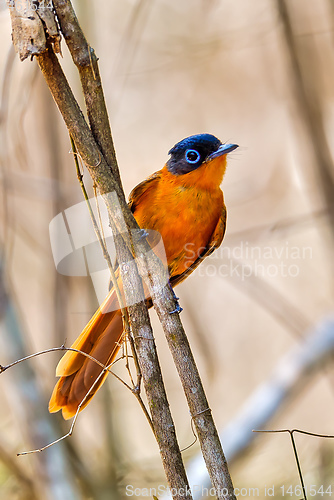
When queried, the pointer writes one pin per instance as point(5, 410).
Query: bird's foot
point(142, 234)
point(172, 290)
point(178, 308)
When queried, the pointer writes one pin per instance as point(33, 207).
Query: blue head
point(190, 153)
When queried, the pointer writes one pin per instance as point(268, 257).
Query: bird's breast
point(185, 217)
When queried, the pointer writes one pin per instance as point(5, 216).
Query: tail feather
point(100, 339)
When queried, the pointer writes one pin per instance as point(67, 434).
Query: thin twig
point(291, 432)
point(127, 357)
point(61, 348)
point(138, 370)
point(105, 368)
point(100, 220)
point(299, 431)
point(70, 432)
point(126, 321)
point(298, 464)
point(195, 437)
point(101, 239)
point(136, 388)
point(3, 368)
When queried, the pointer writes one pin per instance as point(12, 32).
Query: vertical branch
point(95, 147)
point(294, 447)
point(200, 411)
point(139, 319)
point(298, 464)
point(152, 377)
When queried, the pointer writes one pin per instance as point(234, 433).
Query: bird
point(184, 203)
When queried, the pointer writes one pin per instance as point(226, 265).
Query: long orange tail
point(100, 338)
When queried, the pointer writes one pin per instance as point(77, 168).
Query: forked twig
point(299, 431)
point(105, 368)
point(70, 432)
point(136, 388)
point(291, 432)
point(51, 349)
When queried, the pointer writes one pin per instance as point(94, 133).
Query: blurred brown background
point(259, 74)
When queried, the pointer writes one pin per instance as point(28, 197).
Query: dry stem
point(96, 149)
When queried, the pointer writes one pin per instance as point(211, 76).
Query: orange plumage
point(184, 203)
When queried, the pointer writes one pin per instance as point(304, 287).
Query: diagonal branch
point(85, 60)
point(96, 150)
point(101, 175)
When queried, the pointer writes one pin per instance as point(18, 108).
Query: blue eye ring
point(190, 158)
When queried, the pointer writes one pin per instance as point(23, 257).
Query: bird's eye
point(192, 156)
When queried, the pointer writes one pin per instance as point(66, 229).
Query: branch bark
point(31, 28)
point(85, 60)
point(101, 175)
point(293, 372)
point(96, 150)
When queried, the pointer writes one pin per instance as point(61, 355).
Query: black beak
point(224, 149)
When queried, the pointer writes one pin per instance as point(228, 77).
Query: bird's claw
point(172, 290)
point(142, 234)
point(177, 309)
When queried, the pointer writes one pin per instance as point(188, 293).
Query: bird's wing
point(215, 242)
point(135, 197)
point(141, 189)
